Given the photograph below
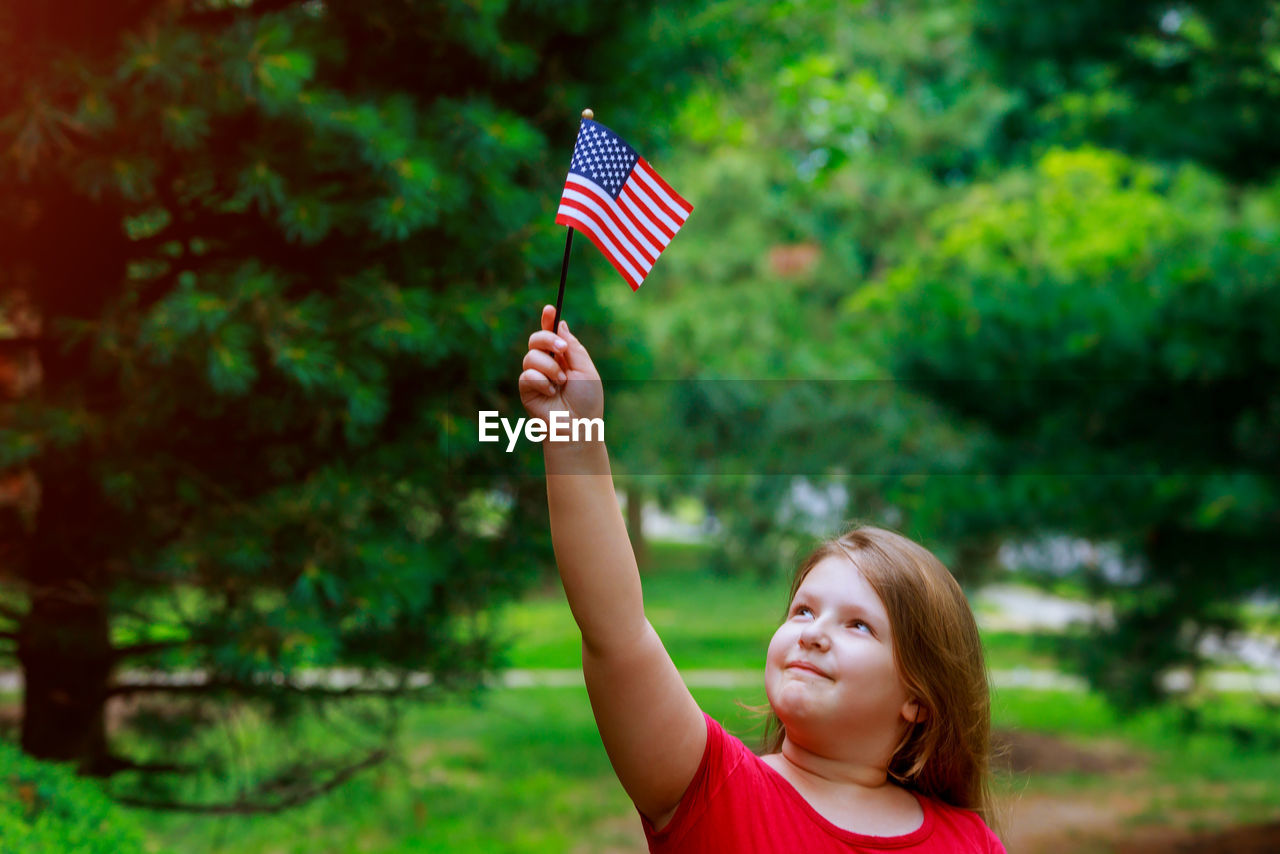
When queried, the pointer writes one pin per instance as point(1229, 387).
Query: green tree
point(1165, 81)
point(812, 160)
point(1097, 320)
point(279, 253)
point(1108, 326)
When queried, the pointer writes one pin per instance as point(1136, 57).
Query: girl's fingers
point(571, 352)
point(549, 317)
point(540, 361)
point(575, 346)
point(548, 341)
point(575, 352)
point(538, 382)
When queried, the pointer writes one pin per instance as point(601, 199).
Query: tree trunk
point(64, 650)
point(64, 642)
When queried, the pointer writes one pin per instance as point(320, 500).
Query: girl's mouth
point(806, 666)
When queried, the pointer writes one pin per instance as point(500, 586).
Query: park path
point(339, 678)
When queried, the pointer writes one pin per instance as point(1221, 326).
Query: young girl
point(880, 712)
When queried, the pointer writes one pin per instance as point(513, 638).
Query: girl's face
point(830, 674)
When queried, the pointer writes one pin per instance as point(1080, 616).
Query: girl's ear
point(913, 712)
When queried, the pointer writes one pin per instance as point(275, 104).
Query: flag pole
point(564, 268)
point(564, 265)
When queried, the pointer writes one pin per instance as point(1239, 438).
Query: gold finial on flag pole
point(587, 114)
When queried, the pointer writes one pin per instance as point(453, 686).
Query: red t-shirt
point(737, 803)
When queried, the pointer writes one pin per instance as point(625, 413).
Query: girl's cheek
point(777, 645)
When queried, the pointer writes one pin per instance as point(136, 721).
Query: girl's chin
point(793, 700)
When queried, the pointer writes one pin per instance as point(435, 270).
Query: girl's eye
point(856, 623)
point(800, 609)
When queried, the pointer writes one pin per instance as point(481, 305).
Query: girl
point(880, 713)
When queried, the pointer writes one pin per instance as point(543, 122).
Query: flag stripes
point(631, 218)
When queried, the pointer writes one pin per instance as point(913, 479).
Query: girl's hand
point(559, 375)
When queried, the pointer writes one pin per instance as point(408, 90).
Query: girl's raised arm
point(650, 724)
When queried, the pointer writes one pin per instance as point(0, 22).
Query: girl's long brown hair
point(939, 657)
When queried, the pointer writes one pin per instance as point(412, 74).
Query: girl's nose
point(814, 636)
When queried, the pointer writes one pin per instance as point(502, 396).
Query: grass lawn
point(524, 771)
point(705, 621)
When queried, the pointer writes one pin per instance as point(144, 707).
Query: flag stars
point(603, 158)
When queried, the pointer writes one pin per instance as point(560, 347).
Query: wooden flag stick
point(564, 265)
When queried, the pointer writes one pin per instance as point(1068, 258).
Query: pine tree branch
point(11, 613)
point(115, 763)
point(150, 579)
point(139, 650)
point(216, 18)
point(233, 686)
point(299, 795)
point(145, 246)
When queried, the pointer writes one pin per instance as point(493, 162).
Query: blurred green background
point(1004, 276)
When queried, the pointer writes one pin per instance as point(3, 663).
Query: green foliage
point(842, 128)
point(1102, 318)
point(1190, 80)
point(46, 809)
point(305, 244)
point(1017, 212)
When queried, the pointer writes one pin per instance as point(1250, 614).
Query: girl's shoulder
point(958, 826)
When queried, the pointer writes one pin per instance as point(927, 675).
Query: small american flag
point(619, 202)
